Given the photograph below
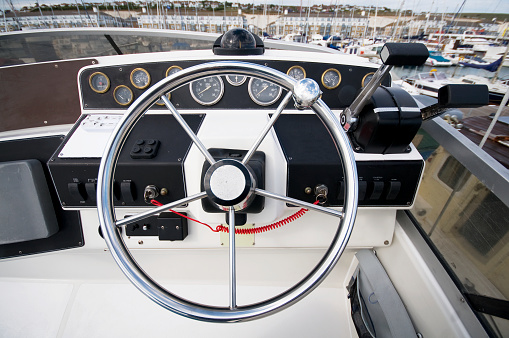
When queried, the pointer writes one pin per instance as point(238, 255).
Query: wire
point(252, 231)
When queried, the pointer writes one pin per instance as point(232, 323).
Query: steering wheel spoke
point(188, 130)
point(160, 209)
point(267, 128)
point(299, 203)
point(233, 276)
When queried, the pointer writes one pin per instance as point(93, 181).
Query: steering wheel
point(230, 197)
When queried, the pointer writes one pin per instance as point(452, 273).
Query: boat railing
point(462, 210)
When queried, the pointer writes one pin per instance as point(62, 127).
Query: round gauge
point(236, 79)
point(297, 72)
point(161, 102)
point(367, 78)
point(140, 78)
point(99, 82)
point(207, 91)
point(331, 78)
point(172, 70)
point(263, 92)
point(123, 95)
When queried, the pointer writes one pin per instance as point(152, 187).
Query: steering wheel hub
point(229, 183)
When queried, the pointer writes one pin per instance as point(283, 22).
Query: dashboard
point(116, 87)
point(158, 153)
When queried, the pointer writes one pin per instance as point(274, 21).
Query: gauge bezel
point(236, 84)
point(258, 102)
point(365, 76)
point(168, 95)
point(92, 87)
point(331, 70)
point(172, 67)
point(115, 97)
point(296, 67)
point(204, 103)
point(143, 70)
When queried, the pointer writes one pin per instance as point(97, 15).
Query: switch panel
point(161, 164)
point(312, 159)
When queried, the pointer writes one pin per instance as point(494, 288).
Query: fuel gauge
point(123, 95)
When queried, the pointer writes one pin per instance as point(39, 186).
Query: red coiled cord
point(252, 231)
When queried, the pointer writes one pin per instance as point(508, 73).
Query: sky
point(438, 6)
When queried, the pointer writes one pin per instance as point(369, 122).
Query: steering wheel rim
point(145, 283)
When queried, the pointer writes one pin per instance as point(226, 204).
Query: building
point(211, 24)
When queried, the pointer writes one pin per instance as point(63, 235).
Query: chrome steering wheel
point(305, 93)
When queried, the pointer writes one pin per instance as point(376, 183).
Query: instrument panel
point(116, 87)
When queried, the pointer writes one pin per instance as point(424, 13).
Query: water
point(453, 71)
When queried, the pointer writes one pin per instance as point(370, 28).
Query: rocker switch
point(76, 191)
point(127, 191)
point(394, 188)
point(378, 188)
point(91, 189)
point(363, 186)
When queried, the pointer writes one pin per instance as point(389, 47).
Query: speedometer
point(263, 92)
point(207, 91)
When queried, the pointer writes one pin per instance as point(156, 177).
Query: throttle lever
point(392, 54)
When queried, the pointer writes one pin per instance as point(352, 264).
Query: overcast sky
point(439, 6)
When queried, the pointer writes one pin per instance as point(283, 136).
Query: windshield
point(21, 49)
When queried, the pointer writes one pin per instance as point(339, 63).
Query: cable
point(252, 231)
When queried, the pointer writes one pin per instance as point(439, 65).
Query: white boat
point(426, 83)
point(99, 126)
point(436, 59)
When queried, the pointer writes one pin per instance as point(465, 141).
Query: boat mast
point(397, 22)
point(374, 25)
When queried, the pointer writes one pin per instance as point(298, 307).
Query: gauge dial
point(207, 91)
point(297, 72)
point(263, 92)
point(99, 82)
point(236, 79)
point(140, 78)
point(331, 78)
point(367, 78)
point(123, 95)
point(160, 102)
point(172, 70)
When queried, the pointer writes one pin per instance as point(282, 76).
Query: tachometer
point(297, 72)
point(140, 78)
point(123, 95)
point(99, 82)
point(331, 78)
point(207, 91)
point(263, 92)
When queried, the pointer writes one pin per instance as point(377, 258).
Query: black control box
point(153, 154)
point(313, 160)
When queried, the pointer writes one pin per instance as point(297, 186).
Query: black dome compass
point(238, 41)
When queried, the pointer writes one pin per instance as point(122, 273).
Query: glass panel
point(466, 222)
point(18, 49)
